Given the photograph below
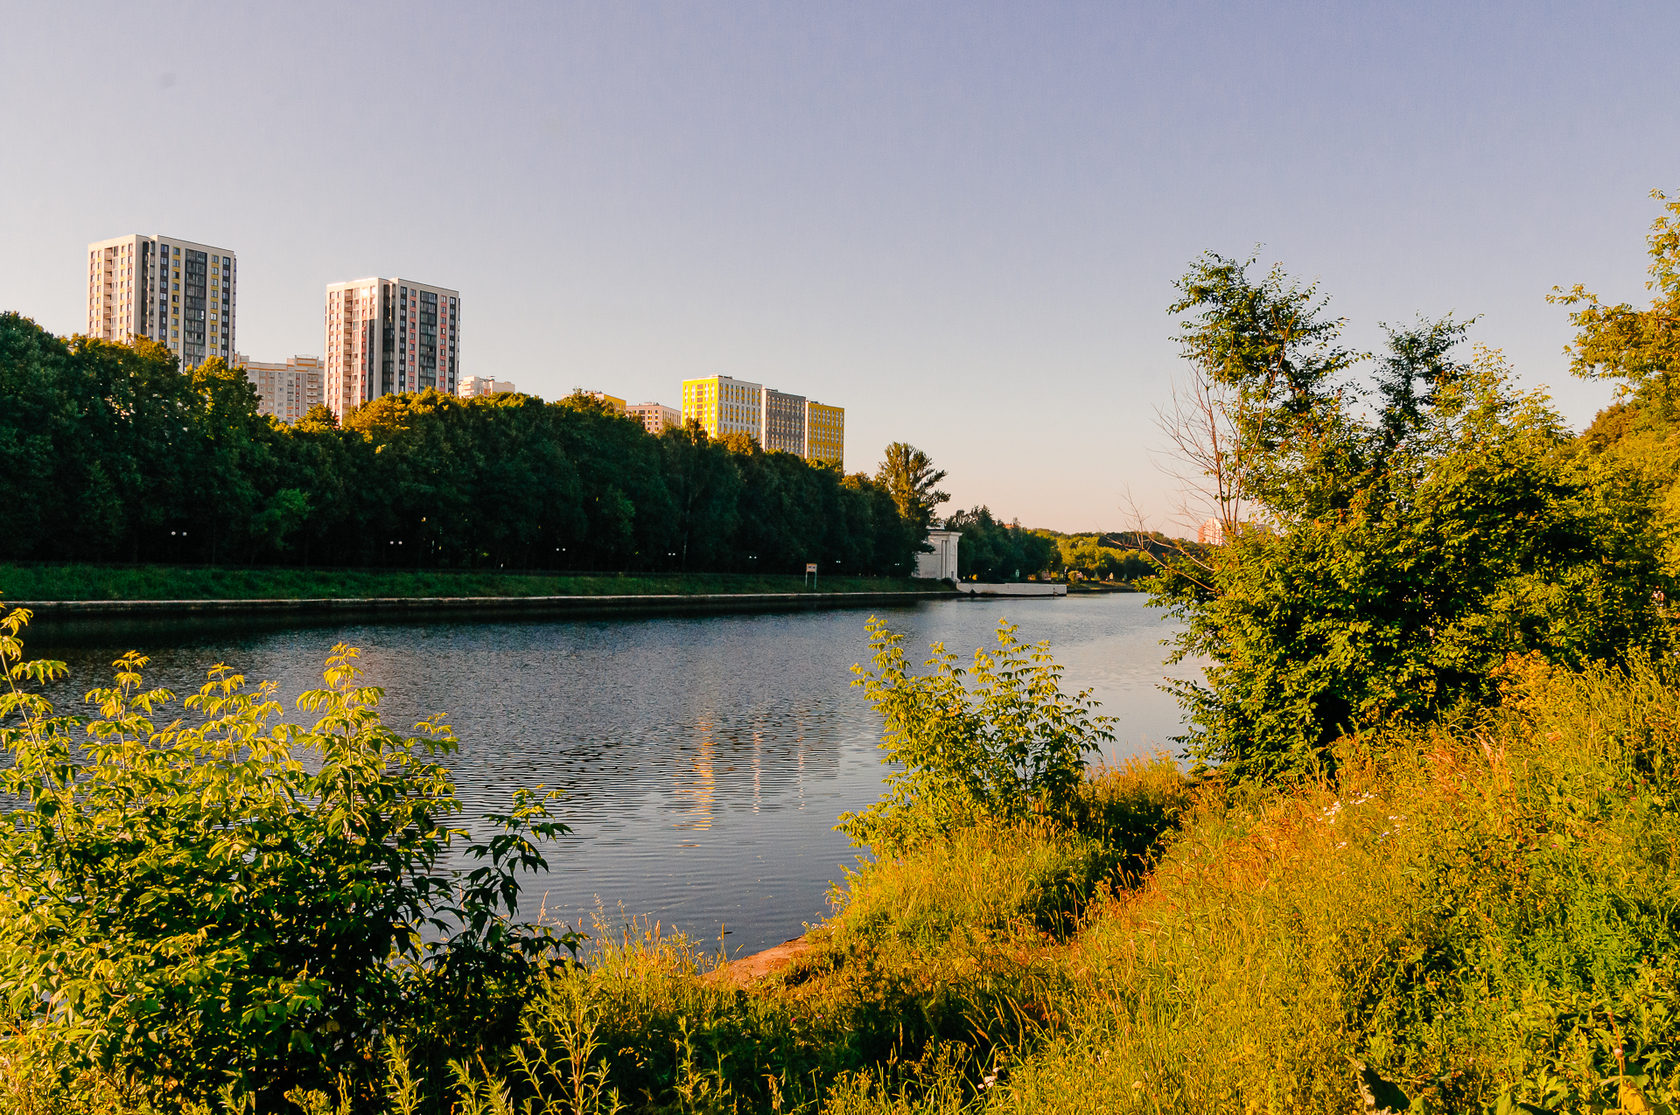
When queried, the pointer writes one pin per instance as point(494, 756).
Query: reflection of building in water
point(700, 791)
point(769, 755)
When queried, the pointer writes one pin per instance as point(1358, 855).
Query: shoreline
point(64, 613)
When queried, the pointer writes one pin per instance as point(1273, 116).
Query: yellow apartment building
point(724, 406)
point(825, 434)
point(774, 419)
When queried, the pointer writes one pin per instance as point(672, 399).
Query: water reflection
point(703, 759)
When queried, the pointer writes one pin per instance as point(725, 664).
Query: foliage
point(1641, 347)
point(909, 477)
point(998, 740)
point(1635, 443)
point(1479, 918)
point(1099, 556)
point(226, 899)
point(992, 551)
point(1396, 558)
point(152, 465)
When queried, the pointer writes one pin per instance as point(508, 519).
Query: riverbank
point(1469, 917)
point(1418, 931)
point(53, 615)
point(1100, 588)
point(71, 582)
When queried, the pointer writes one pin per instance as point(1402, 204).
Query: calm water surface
point(704, 760)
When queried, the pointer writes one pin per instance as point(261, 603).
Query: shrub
point(997, 741)
point(232, 900)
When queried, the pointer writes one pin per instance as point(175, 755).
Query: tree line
point(108, 452)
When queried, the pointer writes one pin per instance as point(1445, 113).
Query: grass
point(162, 582)
point(1099, 587)
point(1475, 917)
point(1483, 917)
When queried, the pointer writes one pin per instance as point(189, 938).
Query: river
point(703, 759)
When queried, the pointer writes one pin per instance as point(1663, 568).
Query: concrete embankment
point(63, 613)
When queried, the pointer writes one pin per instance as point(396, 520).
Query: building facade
point(825, 434)
point(181, 294)
point(782, 418)
point(471, 387)
point(287, 390)
point(776, 420)
point(939, 563)
point(724, 406)
point(388, 336)
point(617, 404)
point(656, 418)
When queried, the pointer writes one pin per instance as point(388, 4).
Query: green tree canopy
point(910, 478)
point(146, 463)
point(1409, 533)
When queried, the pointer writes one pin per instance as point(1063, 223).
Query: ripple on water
point(703, 760)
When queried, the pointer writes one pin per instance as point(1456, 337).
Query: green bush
point(233, 900)
point(997, 741)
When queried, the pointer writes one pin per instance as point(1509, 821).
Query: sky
point(960, 221)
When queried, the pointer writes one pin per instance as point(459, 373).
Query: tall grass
point(1480, 918)
point(1477, 918)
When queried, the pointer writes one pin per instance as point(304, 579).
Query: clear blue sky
point(959, 221)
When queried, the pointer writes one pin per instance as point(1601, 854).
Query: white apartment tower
point(388, 336)
point(176, 292)
point(473, 387)
point(656, 418)
point(287, 390)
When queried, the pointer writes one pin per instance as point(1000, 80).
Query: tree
point(909, 477)
point(995, 551)
point(1641, 347)
point(995, 741)
point(144, 463)
point(222, 899)
point(1634, 443)
point(1396, 557)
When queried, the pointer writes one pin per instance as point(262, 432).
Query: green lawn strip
point(155, 582)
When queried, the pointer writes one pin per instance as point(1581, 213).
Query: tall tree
point(1409, 535)
point(1641, 347)
point(910, 478)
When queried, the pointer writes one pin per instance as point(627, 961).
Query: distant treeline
point(109, 453)
point(1118, 555)
point(993, 550)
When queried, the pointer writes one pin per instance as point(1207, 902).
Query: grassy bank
point(162, 582)
point(1097, 588)
point(1475, 919)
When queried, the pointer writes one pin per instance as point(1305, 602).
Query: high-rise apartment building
point(178, 293)
point(613, 402)
point(287, 390)
point(782, 418)
point(471, 387)
point(724, 406)
point(656, 418)
point(388, 336)
point(774, 419)
point(825, 434)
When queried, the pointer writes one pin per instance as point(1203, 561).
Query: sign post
point(811, 572)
